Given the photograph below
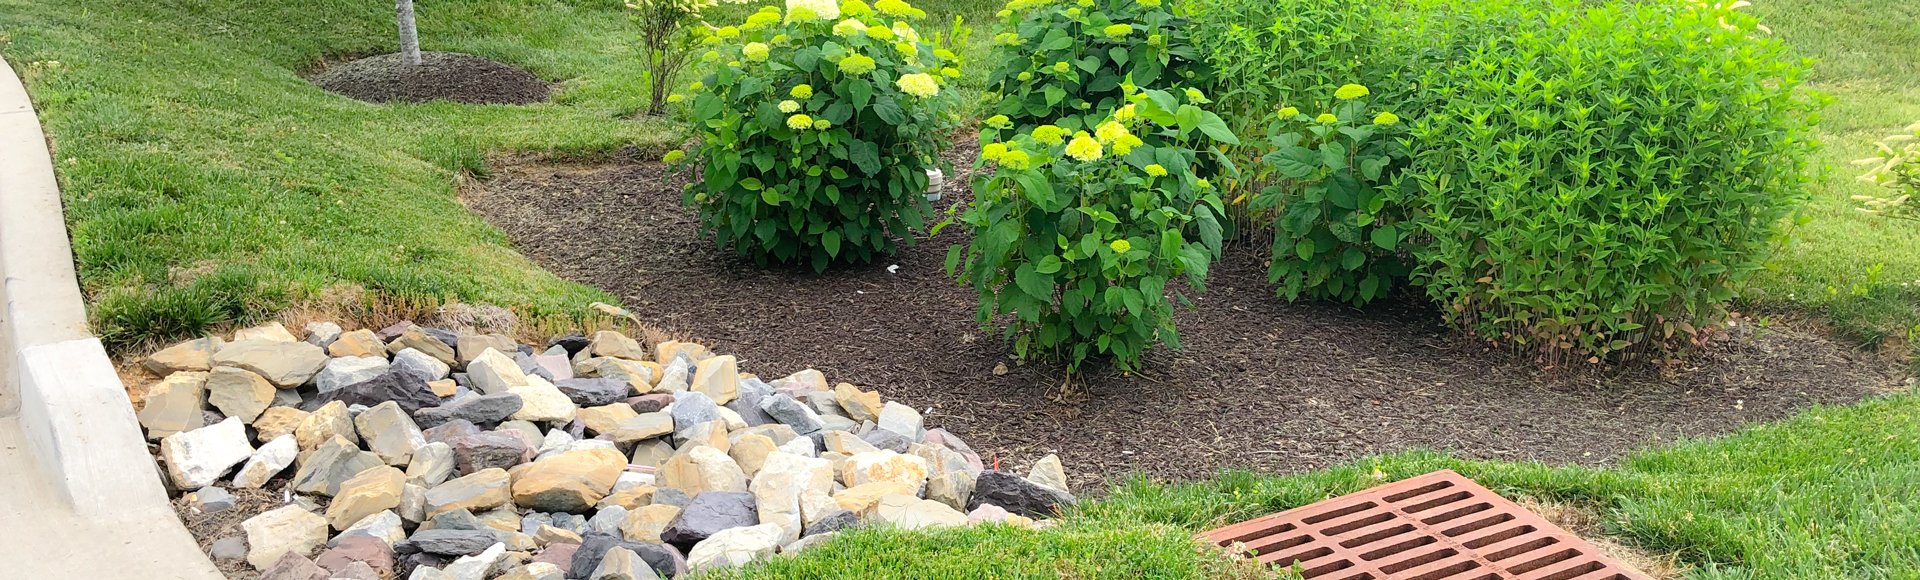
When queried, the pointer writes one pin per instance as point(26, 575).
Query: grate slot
point(1419, 491)
point(1417, 561)
point(1438, 526)
point(1457, 514)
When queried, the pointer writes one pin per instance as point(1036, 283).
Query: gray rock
point(555, 367)
point(594, 392)
point(447, 432)
point(836, 423)
point(486, 449)
point(887, 440)
point(479, 410)
point(693, 408)
point(825, 405)
point(432, 464)
point(666, 561)
point(420, 365)
point(791, 412)
point(672, 497)
point(1017, 495)
point(707, 514)
point(570, 522)
point(832, 522)
point(213, 500)
point(751, 393)
point(607, 520)
point(457, 519)
point(943, 438)
point(333, 463)
point(286, 364)
point(448, 542)
point(389, 433)
point(531, 523)
point(902, 419)
point(410, 393)
point(230, 548)
point(622, 564)
point(321, 334)
point(348, 370)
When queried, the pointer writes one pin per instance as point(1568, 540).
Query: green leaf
point(1118, 54)
point(751, 184)
point(1048, 264)
point(866, 156)
point(1034, 283)
point(1039, 190)
point(860, 91)
point(1189, 118)
point(1304, 249)
point(1294, 162)
point(831, 241)
point(1334, 155)
point(1386, 237)
point(1216, 128)
point(953, 259)
point(1054, 95)
point(770, 196)
point(890, 112)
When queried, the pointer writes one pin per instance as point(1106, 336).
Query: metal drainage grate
point(1439, 525)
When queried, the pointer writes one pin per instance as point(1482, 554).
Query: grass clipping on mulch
point(440, 76)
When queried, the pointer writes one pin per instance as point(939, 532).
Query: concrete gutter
point(80, 496)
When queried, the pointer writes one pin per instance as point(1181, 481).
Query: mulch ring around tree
point(448, 76)
point(1262, 384)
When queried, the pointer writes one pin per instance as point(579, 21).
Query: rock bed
point(589, 457)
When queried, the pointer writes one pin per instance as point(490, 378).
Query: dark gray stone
point(460, 380)
point(485, 449)
point(213, 500)
point(791, 412)
point(447, 542)
point(392, 332)
point(457, 519)
point(479, 410)
point(607, 520)
point(887, 440)
point(693, 408)
point(574, 343)
point(832, 522)
point(423, 560)
point(411, 393)
point(594, 392)
point(575, 523)
point(644, 404)
point(531, 523)
point(747, 404)
point(707, 514)
point(443, 335)
point(1017, 495)
point(664, 559)
point(672, 497)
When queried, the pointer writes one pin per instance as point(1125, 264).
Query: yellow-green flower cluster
point(1327, 118)
point(855, 8)
point(799, 122)
point(919, 85)
point(756, 51)
point(894, 7)
point(804, 10)
point(1084, 147)
point(789, 106)
point(1349, 92)
point(857, 64)
point(1385, 118)
point(1156, 170)
point(801, 91)
point(762, 19)
point(674, 156)
point(1118, 30)
point(880, 32)
point(1120, 246)
point(849, 27)
point(1049, 134)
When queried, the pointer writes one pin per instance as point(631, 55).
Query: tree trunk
point(409, 39)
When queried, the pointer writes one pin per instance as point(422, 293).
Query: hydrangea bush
point(1340, 215)
point(1077, 234)
point(1063, 62)
point(815, 130)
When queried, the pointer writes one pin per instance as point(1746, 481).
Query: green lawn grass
point(1861, 272)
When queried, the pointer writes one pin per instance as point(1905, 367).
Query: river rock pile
point(428, 454)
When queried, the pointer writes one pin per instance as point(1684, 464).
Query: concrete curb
point(79, 497)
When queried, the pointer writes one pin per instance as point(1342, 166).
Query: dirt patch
point(210, 527)
point(441, 76)
point(1588, 526)
point(1263, 384)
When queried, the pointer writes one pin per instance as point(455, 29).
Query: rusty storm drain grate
point(1435, 526)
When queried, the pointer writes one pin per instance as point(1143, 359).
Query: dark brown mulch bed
point(448, 76)
point(1263, 383)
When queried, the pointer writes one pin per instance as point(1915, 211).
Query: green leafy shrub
point(1076, 236)
point(1896, 165)
point(1064, 62)
point(670, 32)
point(1341, 214)
point(815, 132)
point(1604, 179)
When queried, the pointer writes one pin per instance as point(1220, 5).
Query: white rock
point(322, 334)
point(734, 546)
point(421, 365)
point(629, 480)
point(802, 446)
point(428, 573)
point(476, 567)
point(385, 525)
point(287, 529)
point(493, 372)
point(734, 422)
point(777, 488)
point(267, 462)
point(718, 471)
point(348, 370)
point(432, 463)
point(413, 503)
point(1047, 472)
point(541, 401)
point(901, 419)
point(909, 512)
point(273, 331)
point(197, 458)
point(816, 504)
